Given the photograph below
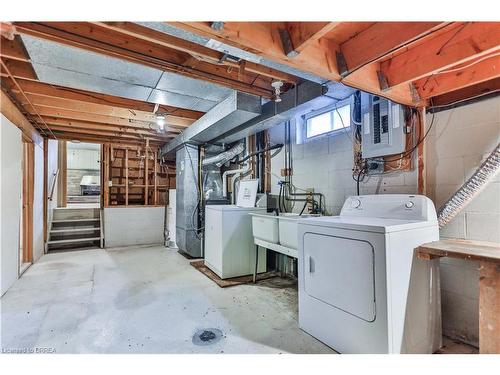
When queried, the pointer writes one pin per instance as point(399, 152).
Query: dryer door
point(340, 272)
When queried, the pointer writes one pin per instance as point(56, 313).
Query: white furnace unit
point(361, 289)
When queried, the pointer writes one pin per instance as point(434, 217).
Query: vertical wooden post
point(126, 177)
point(489, 308)
point(31, 191)
point(62, 187)
point(105, 170)
point(155, 179)
point(45, 187)
point(422, 180)
point(146, 172)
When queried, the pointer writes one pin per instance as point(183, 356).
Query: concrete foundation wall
point(10, 205)
point(126, 226)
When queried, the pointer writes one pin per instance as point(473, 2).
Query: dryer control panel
point(390, 206)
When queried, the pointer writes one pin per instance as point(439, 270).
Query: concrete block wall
point(326, 163)
point(458, 141)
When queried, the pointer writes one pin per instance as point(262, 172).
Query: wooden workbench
point(488, 255)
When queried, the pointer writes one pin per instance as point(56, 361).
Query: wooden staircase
point(75, 228)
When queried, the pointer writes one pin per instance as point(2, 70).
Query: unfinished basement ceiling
point(225, 48)
point(58, 64)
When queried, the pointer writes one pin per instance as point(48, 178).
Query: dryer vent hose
point(486, 171)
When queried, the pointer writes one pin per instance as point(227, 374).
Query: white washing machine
point(361, 289)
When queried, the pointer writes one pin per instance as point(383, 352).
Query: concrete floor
point(145, 300)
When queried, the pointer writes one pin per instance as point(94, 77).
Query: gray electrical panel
point(383, 127)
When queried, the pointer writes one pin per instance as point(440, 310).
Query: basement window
point(327, 121)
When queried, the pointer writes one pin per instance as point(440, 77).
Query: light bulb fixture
point(277, 90)
point(160, 121)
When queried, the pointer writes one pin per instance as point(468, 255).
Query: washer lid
point(366, 224)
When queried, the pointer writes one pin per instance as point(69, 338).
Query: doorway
point(83, 174)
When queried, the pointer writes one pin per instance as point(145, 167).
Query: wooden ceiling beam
point(109, 133)
point(263, 39)
point(103, 139)
point(485, 69)
point(14, 115)
point(303, 34)
point(54, 91)
point(318, 58)
point(142, 54)
point(380, 39)
point(100, 126)
point(100, 109)
point(466, 93)
point(19, 69)
point(462, 42)
point(169, 41)
point(13, 49)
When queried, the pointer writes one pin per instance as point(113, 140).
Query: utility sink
point(265, 227)
point(287, 228)
point(280, 229)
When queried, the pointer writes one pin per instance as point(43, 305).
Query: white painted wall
point(10, 207)
point(83, 159)
point(127, 226)
point(458, 141)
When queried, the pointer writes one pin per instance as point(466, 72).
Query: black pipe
point(270, 148)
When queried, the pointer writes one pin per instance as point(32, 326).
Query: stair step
point(54, 242)
point(71, 230)
point(73, 220)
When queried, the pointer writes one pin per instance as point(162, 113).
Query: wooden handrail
point(54, 181)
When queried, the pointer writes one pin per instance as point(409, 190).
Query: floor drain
point(207, 336)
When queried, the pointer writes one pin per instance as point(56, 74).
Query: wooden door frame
point(28, 187)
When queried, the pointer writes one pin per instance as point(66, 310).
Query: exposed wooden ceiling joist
point(467, 93)
point(105, 110)
point(462, 42)
point(303, 34)
point(102, 40)
point(381, 38)
point(318, 57)
point(103, 139)
point(157, 37)
point(88, 97)
point(484, 69)
point(100, 126)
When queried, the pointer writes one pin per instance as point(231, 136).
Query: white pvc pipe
point(224, 179)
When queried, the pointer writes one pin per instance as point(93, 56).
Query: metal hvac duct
point(471, 188)
point(303, 98)
point(225, 156)
point(236, 109)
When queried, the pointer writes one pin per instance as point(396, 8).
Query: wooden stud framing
point(146, 172)
point(126, 177)
point(155, 179)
